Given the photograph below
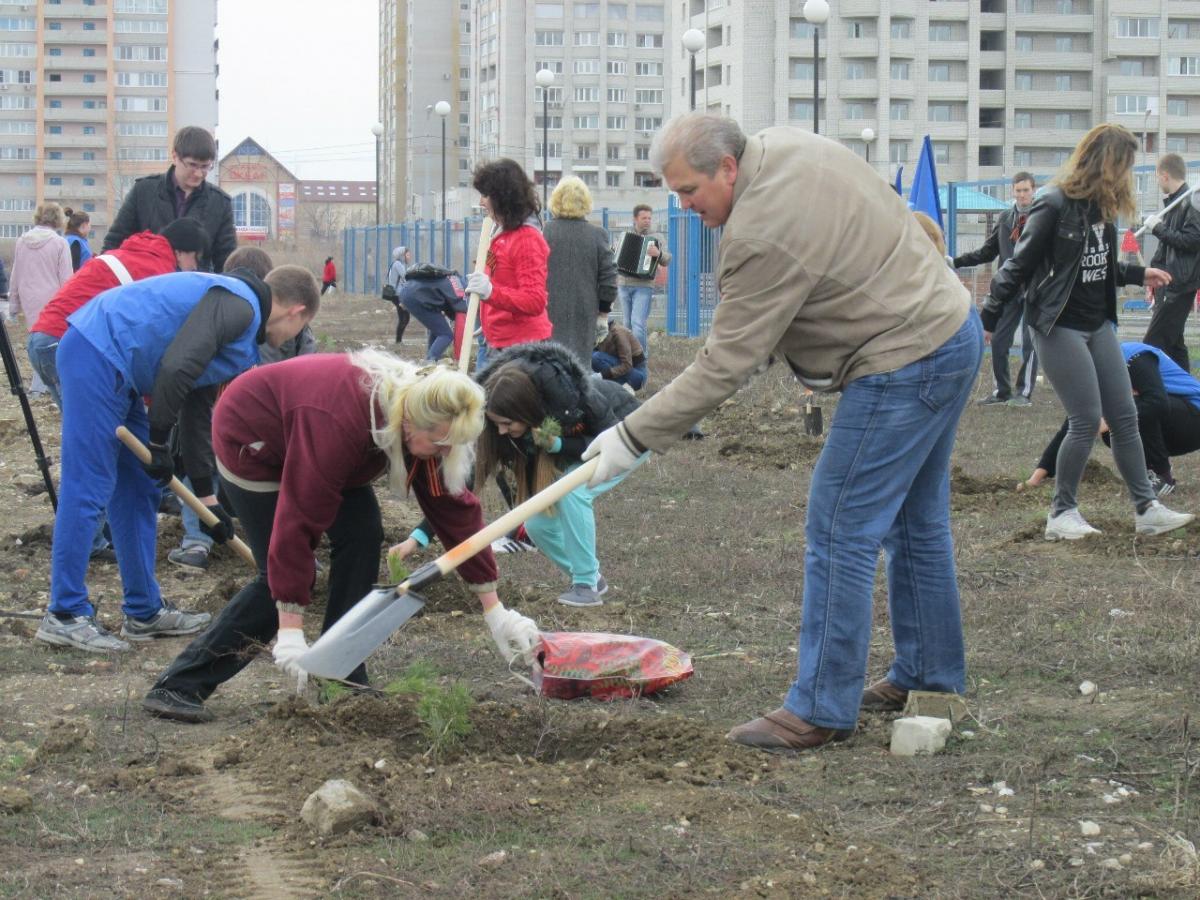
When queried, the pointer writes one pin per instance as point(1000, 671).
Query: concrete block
point(919, 734)
point(937, 704)
point(337, 806)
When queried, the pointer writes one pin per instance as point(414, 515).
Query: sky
point(301, 78)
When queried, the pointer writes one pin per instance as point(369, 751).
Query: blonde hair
point(426, 397)
point(1101, 170)
point(571, 199)
point(50, 215)
point(931, 229)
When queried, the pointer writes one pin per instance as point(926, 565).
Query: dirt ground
point(703, 549)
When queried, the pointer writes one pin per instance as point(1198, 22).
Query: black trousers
point(251, 619)
point(403, 317)
point(1176, 433)
point(1171, 308)
point(1002, 341)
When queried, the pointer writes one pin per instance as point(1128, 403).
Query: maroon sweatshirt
point(306, 424)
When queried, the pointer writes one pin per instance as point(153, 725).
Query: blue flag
point(899, 181)
point(923, 197)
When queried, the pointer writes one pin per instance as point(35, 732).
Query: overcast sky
point(301, 78)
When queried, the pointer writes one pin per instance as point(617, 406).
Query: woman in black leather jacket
point(1067, 263)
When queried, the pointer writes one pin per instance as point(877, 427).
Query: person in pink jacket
point(41, 265)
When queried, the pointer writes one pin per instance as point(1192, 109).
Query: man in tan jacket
point(823, 266)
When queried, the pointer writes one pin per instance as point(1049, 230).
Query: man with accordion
point(639, 255)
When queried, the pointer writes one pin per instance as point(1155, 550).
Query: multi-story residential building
point(91, 93)
point(999, 85)
point(424, 59)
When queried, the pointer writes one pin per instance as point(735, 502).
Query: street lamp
point(868, 135)
point(442, 108)
point(693, 41)
point(816, 13)
point(377, 130)
point(544, 79)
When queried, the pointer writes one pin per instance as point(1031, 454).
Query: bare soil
point(703, 548)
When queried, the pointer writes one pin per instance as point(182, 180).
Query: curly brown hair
point(509, 190)
point(1101, 170)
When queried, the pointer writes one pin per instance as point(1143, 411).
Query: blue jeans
point(635, 307)
point(439, 333)
point(98, 471)
point(192, 535)
point(883, 481)
point(635, 377)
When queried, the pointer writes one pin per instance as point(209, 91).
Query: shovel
point(813, 424)
point(481, 252)
point(371, 621)
point(129, 439)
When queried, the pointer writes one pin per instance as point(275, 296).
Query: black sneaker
point(195, 558)
point(167, 622)
point(168, 704)
point(169, 505)
point(991, 400)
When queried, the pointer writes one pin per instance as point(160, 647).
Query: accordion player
point(633, 255)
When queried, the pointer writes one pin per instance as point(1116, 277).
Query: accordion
point(633, 255)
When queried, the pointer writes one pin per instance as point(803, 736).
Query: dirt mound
point(1116, 539)
point(969, 485)
point(67, 737)
point(39, 534)
point(1095, 472)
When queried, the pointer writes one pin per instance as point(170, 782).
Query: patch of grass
point(331, 691)
point(444, 712)
point(10, 765)
point(397, 570)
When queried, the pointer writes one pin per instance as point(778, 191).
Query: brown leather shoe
point(780, 730)
point(883, 696)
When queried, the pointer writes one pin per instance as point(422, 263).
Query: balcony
point(957, 10)
point(851, 129)
point(75, 38)
point(992, 22)
point(991, 99)
point(902, 90)
point(73, 192)
point(1176, 124)
point(948, 49)
point(1119, 46)
point(75, 89)
point(76, 114)
point(97, 64)
point(17, 167)
point(74, 166)
point(1057, 62)
point(1052, 99)
point(859, 47)
point(858, 88)
point(1134, 84)
point(1182, 84)
point(850, 9)
point(991, 59)
point(76, 11)
point(947, 131)
point(900, 130)
point(88, 141)
point(946, 90)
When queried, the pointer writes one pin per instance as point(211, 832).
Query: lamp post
point(868, 135)
point(693, 41)
point(377, 130)
point(816, 13)
point(544, 79)
point(442, 108)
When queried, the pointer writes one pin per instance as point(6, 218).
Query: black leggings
point(251, 619)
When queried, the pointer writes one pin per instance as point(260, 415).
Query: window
point(1066, 7)
point(54, 129)
point(552, 150)
point(89, 181)
point(21, 23)
point(649, 41)
point(91, 26)
point(856, 29)
point(901, 29)
point(1132, 103)
point(1024, 81)
point(1025, 7)
point(1183, 65)
point(89, 129)
point(855, 111)
point(900, 111)
point(1133, 27)
point(587, 122)
point(54, 104)
point(89, 78)
point(54, 51)
point(1177, 145)
point(647, 123)
point(552, 94)
point(554, 65)
point(145, 154)
point(585, 151)
point(897, 153)
point(1062, 82)
point(54, 180)
point(587, 39)
point(900, 70)
point(617, 67)
point(941, 31)
point(1062, 120)
point(646, 12)
point(145, 7)
point(941, 153)
point(1023, 120)
point(10, 205)
point(617, 39)
point(854, 70)
point(800, 29)
point(654, 95)
point(586, 67)
point(1182, 29)
point(15, 126)
point(54, 154)
point(1025, 43)
point(615, 123)
point(613, 152)
point(801, 110)
point(616, 95)
point(548, 38)
point(1063, 44)
point(89, 206)
point(251, 211)
point(618, 11)
point(802, 70)
point(939, 112)
point(549, 10)
point(591, 179)
point(645, 69)
point(1177, 107)
point(554, 122)
point(14, 49)
point(135, 26)
point(88, 155)
point(1133, 67)
point(89, 51)
point(939, 71)
point(141, 52)
point(587, 95)
point(612, 179)
point(641, 152)
point(646, 180)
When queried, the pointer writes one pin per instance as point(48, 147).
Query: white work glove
point(289, 647)
point(616, 451)
point(3, 310)
point(516, 636)
point(479, 283)
point(1152, 222)
point(949, 260)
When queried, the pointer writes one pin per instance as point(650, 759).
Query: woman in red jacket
point(328, 276)
point(298, 444)
point(512, 287)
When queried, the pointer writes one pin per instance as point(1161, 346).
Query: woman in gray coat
point(582, 280)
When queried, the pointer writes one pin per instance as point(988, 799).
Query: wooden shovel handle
point(481, 252)
point(518, 515)
point(129, 439)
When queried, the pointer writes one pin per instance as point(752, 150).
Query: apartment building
point(424, 55)
point(1000, 85)
point(90, 96)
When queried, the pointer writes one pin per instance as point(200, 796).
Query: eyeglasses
point(204, 167)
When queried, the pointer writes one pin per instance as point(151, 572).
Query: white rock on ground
point(1088, 828)
point(919, 734)
point(1087, 688)
point(337, 806)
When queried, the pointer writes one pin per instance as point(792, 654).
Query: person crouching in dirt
point(434, 296)
point(298, 445)
point(892, 328)
point(163, 338)
point(543, 409)
point(1168, 417)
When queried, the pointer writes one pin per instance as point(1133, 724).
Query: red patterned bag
point(606, 666)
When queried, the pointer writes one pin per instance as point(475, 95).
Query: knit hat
point(187, 235)
point(398, 253)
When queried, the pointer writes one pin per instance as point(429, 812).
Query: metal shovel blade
point(357, 634)
point(813, 423)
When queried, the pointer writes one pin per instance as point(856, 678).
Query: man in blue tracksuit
point(160, 338)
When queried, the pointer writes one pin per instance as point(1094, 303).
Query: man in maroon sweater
point(298, 445)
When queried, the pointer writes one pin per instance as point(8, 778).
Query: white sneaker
point(512, 545)
point(1157, 519)
point(1068, 525)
